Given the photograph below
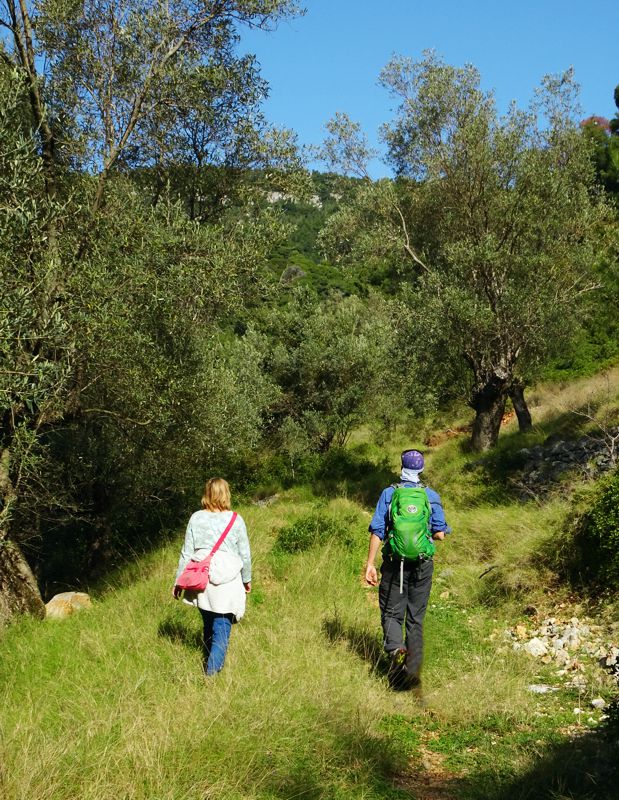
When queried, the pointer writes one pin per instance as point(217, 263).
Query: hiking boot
point(397, 668)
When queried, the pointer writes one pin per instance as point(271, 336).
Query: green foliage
point(145, 83)
point(291, 269)
point(596, 537)
point(496, 219)
point(365, 235)
point(346, 147)
point(329, 361)
point(166, 396)
point(604, 138)
point(605, 148)
point(324, 194)
point(37, 345)
point(310, 531)
point(596, 341)
point(121, 382)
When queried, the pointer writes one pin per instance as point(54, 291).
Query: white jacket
point(225, 593)
point(230, 566)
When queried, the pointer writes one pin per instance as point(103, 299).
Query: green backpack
point(409, 535)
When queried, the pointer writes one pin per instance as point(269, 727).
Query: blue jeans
point(217, 629)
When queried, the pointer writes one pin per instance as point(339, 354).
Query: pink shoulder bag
point(194, 578)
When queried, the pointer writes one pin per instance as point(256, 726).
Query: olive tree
point(107, 304)
point(330, 363)
point(36, 346)
point(493, 220)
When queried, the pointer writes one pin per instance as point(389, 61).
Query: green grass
point(111, 703)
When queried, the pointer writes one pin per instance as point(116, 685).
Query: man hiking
point(408, 519)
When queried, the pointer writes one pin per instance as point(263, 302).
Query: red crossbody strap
point(224, 534)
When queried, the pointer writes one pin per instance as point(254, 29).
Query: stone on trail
point(67, 603)
point(542, 688)
point(598, 702)
point(536, 647)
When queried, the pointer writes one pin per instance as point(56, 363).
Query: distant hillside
point(308, 218)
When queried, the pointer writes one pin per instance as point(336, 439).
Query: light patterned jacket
point(230, 567)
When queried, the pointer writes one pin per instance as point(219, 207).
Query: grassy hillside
point(111, 703)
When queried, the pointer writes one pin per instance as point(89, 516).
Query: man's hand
point(370, 570)
point(438, 536)
point(371, 575)
point(176, 592)
point(247, 587)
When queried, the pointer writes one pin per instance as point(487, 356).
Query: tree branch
point(407, 241)
point(109, 413)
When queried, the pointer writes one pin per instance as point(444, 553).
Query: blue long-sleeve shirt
point(380, 520)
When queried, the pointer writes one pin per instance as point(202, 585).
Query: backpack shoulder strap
point(394, 486)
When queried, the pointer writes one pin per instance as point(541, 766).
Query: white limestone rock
point(536, 647)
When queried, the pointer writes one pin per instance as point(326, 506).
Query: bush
point(597, 535)
point(310, 530)
point(589, 554)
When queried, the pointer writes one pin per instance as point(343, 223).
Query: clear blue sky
point(329, 60)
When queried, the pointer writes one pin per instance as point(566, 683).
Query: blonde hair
point(216, 495)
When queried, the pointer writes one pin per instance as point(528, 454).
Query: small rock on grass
point(67, 603)
point(536, 647)
point(542, 688)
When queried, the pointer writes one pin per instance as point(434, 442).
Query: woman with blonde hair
point(223, 601)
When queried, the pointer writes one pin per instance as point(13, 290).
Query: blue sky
point(329, 60)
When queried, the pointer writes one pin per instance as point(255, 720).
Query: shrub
point(309, 530)
point(597, 535)
point(588, 554)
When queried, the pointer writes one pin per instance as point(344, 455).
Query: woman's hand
point(438, 536)
point(247, 587)
point(176, 592)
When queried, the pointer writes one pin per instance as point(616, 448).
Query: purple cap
point(412, 459)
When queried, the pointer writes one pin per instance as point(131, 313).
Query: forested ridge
point(182, 297)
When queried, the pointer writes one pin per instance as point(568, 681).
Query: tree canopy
point(493, 221)
point(114, 301)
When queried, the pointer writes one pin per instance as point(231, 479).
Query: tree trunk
point(521, 408)
point(19, 593)
point(489, 405)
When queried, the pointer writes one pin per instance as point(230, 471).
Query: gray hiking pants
point(405, 610)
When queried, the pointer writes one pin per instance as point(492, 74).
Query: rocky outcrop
point(569, 644)
point(545, 465)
